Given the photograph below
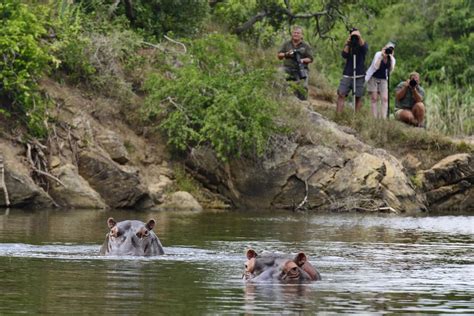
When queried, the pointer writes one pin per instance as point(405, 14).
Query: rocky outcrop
point(335, 172)
point(120, 188)
point(74, 192)
point(449, 184)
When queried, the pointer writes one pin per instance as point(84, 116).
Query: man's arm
point(401, 92)
point(417, 95)
point(282, 53)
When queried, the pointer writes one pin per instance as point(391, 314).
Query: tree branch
point(250, 22)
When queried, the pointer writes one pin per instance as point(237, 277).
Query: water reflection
point(261, 297)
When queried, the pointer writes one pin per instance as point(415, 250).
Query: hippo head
point(131, 238)
point(279, 268)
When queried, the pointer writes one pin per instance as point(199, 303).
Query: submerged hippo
point(273, 267)
point(131, 238)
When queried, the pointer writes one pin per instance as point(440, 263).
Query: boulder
point(75, 191)
point(119, 187)
point(181, 200)
point(113, 145)
point(158, 189)
point(449, 184)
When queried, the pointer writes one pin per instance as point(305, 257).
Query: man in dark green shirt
point(409, 95)
point(293, 51)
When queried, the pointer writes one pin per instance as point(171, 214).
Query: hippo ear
point(111, 222)
point(251, 254)
point(300, 259)
point(151, 224)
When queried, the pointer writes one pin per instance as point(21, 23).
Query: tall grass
point(450, 109)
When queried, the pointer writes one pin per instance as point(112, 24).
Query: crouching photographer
point(297, 55)
point(409, 107)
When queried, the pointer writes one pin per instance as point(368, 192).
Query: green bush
point(23, 62)
point(217, 98)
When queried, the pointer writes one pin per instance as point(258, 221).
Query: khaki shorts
point(346, 83)
point(377, 85)
point(397, 113)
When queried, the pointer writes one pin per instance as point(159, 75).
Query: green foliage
point(216, 98)
point(71, 41)
point(23, 62)
point(93, 50)
point(450, 109)
point(159, 17)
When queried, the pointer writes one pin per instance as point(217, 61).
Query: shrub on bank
point(217, 97)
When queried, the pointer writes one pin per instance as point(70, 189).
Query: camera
point(413, 83)
point(389, 50)
point(354, 40)
point(296, 53)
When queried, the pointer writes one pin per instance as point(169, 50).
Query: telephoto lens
point(388, 50)
point(413, 83)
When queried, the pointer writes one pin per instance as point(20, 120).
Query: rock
point(158, 189)
point(54, 162)
point(181, 200)
point(114, 146)
point(76, 192)
point(22, 191)
point(335, 172)
point(449, 184)
point(119, 188)
point(411, 163)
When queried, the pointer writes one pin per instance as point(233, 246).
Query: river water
point(370, 263)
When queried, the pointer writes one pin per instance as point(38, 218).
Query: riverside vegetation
point(199, 75)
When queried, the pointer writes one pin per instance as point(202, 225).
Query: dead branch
point(305, 200)
point(36, 169)
point(2, 182)
point(176, 42)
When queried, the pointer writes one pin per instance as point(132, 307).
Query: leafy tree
point(23, 61)
point(216, 98)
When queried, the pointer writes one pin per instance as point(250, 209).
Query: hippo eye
point(114, 232)
point(142, 234)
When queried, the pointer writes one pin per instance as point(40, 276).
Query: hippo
point(131, 238)
point(272, 267)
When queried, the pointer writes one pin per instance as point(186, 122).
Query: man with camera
point(354, 51)
point(297, 55)
point(409, 107)
point(377, 78)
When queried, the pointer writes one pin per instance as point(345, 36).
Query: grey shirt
point(409, 100)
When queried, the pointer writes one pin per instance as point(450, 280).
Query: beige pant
point(377, 85)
